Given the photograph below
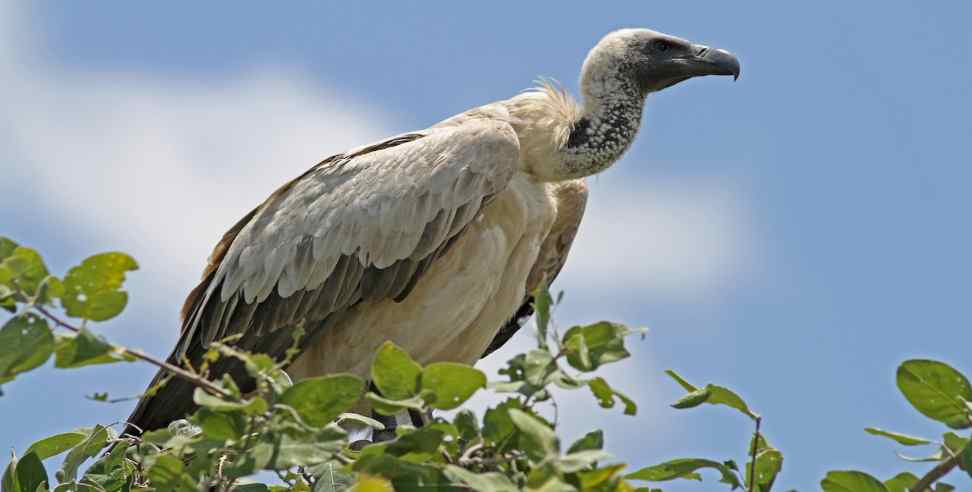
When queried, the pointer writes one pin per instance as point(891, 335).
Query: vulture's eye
point(661, 45)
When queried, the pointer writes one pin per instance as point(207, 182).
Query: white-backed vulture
point(431, 239)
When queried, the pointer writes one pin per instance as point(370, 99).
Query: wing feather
point(362, 225)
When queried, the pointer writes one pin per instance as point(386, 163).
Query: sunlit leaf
point(591, 440)
point(480, 482)
point(92, 289)
point(903, 439)
point(30, 472)
point(769, 462)
point(88, 448)
point(605, 395)
point(85, 349)
point(320, 400)
point(580, 460)
point(25, 343)
point(450, 383)
point(395, 373)
point(603, 342)
point(684, 468)
point(681, 381)
point(386, 406)
point(167, 473)
point(536, 431)
point(22, 269)
point(250, 406)
point(711, 394)
point(9, 482)
point(58, 443)
point(851, 481)
point(497, 424)
point(936, 390)
point(901, 482)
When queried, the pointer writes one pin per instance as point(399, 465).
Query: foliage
point(299, 431)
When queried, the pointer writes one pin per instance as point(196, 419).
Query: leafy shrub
point(297, 430)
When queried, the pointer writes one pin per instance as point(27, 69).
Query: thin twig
point(936, 473)
point(199, 381)
point(752, 453)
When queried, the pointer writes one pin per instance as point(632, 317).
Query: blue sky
point(793, 235)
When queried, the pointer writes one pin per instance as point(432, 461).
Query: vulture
point(432, 239)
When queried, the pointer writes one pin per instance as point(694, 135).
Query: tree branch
point(177, 371)
point(936, 473)
point(752, 452)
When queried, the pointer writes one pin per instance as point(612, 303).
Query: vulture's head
point(650, 61)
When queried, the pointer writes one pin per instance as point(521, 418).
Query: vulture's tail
point(172, 400)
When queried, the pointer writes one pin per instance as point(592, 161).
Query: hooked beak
point(711, 61)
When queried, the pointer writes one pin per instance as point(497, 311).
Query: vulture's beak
point(712, 61)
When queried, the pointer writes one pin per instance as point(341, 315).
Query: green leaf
point(395, 373)
point(320, 400)
point(954, 442)
point(168, 473)
point(253, 406)
point(403, 475)
point(541, 305)
point(603, 343)
point(30, 472)
point(769, 462)
point(360, 419)
point(92, 289)
point(692, 400)
point(605, 396)
point(220, 426)
point(536, 431)
point(425, 440)
point(687, 386)
point(575, 462)
point(385, 406)
point(684, 468)
point(711, 394)
point(593, 479)
point(25, 343)
point(480, 482)
point(9, 482)
point(85, 349)
point(901, 482)
point(23, 269)
point(965, 459)
point(89, 448)
point(467, 425)
point(497, 424)
point(937, 391)
point(7, 247)
point(851, 481)
point(903, 439)
point(591, 441)
point(290, 452)
point(451, 384)
point(111, 473)
point(58, 443)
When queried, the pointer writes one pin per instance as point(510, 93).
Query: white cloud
point(667, 239)
point(159, 166)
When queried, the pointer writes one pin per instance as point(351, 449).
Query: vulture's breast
point(460, 303)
